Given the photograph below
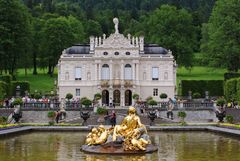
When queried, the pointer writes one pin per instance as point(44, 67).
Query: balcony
point(104, 83)
point(128, 83)
point(116, 83)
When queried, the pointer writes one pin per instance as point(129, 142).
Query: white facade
point(117, 67)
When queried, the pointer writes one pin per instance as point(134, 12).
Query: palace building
point(116, 67)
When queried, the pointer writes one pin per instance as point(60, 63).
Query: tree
point(172, 28)
point(59, 34)
point(220, 40)
point(15, 31)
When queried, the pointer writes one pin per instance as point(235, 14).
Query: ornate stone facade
point(117, 67)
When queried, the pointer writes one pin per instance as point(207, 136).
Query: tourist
point(113, 118)
point(170, 108)
point(57, 116)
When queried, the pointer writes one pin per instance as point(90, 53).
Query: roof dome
point(154, 49)
point(78, 49)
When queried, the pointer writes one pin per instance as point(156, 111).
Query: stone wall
point(34, 116)
point(41, 116)
point(235, 113)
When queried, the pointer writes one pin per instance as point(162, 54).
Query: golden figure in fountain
point(131, 132)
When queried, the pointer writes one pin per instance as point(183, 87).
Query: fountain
point(130, 137)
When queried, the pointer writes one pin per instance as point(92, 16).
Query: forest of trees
point(34, 32)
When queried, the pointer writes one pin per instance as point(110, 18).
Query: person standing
point(113, 118)
point(57, 116)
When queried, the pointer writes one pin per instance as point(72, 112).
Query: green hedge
point(24, 86)
point(232, 89)
point(3, 90)
point(214, 87)
point(6, 78)
point(231, 75)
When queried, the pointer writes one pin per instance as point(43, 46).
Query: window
point(105, 72)
point(77, 92)
point(128, 72)
point(165, 75)
point(105, 53)
point(155, 92)
point(88, 76)
point(67, 76)
point(144, 76)
point(78, 73)
point(127, 53)
point(116, 53)
point(155, 73)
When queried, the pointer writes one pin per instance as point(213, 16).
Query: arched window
point(128, 72)
point(105, 53)
point(155, 73)
point(105, 72)
point(116, 53)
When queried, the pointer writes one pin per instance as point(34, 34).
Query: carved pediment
point(116, 40)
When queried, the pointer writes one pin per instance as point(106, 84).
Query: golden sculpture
point(131, 132)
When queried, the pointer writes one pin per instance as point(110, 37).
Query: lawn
point(200, 73)
point(43, 82)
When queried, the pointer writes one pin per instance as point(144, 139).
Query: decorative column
point(133, 72)
point(111, 70)
point(99, 71)
point(122, 70)
point(122, 97)
point(96, 71)
point(137, 73)
point(122, 84)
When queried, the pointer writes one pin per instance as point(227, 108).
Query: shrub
point(196, 95)
point(229, 119)
point(163, 95)
point(18, 101)
point(51, 123)
point(51, 114)
point(6, 78)
point(221, 102)
point(230, 89)
point(24, 86)
point(3, 119)
point(3, 90)
point(152, 102)
point(97, 96)
point(85, 101)
point(101, 110)
point(231, 75)
point(37, 96)
point(135, 96)
point(149, 98)
point(214, 87)
point(69, 96)
point(182, 115)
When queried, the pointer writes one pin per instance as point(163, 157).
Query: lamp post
point(18, 91)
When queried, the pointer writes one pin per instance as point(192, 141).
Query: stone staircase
point(120, 113)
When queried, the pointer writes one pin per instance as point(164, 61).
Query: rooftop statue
point(115, 21)
point(131, 135)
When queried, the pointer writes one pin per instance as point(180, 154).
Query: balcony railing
point(53, 106)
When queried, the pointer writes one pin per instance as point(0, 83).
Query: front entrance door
point(105, 97)
point(116, 97)
point(128, 98)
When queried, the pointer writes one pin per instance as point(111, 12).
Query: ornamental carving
point(128, 84)
point(104, 84)
point(117, 40)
